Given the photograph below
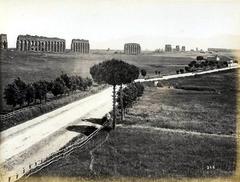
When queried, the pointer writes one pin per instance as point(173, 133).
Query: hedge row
point(20, 93)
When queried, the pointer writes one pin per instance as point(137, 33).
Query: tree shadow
point(86, 130)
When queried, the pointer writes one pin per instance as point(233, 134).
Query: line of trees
point(19, 93)
point(202, 64)
point(129, 95)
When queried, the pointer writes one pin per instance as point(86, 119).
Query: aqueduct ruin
point(80, 46)
point(40, 44)
point(3, 41)
point(132, 48)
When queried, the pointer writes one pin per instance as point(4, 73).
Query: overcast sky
point(111, 23)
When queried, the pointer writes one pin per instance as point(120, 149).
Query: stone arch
point(39, 46)
point(36, 45)
point(42, 46)
point(29, 45)
point(48, 46)
point(21, 45)
point(4, 44)
point(45, 46)
point(55, 46)
point(32, 45)
point(18, 45)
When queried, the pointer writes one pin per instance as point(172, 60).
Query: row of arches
point(4, 45)
point(132, 49)
point(81, 47)
point(41, 46)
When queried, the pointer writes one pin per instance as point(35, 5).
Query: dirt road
point(36, 139)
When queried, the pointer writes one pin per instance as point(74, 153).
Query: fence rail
point(38, 165)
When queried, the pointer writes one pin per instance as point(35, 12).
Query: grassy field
point(35, 66)
point(32, 67)
point(210, 110)
point(167, 133)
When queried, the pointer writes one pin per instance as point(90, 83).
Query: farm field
point(169, 132)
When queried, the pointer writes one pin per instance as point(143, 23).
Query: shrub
point(58, 87)
point(130, 93)
point(199, 58)
point(11, 94)
point(15, 93)
point(143, 72)
point(30, 94)
point(40, 90)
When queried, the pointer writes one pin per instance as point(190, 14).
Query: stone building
point(3, 41)
point(132, 48)
point(220, 50)
point(40, 44)
point(177, 48)
point(168, 48)
point(80, 45)
point(183, 48)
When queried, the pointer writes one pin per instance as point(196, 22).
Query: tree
point(114, 72)
point(40, 90)
point(181, 70)
point(67, 80)
point(11, 94)
point(143, 72)
point(58, 87)
point(199, 58)
point(192, 63)
point(88, 82)
point(177, 71)
point(130, 93)
point(21, 85)
point(49, 85)
point(187, 69)
point(15, 93)
point(74, 81)
point(29, 94)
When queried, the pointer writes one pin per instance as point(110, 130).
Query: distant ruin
point(80, 46)
point(40, 44)
point(3, 41)
point(132, 48)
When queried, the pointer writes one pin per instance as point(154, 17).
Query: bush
point(143, 72)
point(40, 90)
point(199, 58)
point(18, 92)
point(58, 87)
point(11, 94)
point(30, 94)
point(130, 93)
point(15, 93)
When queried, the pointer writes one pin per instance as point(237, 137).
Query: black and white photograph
point(120, 90)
